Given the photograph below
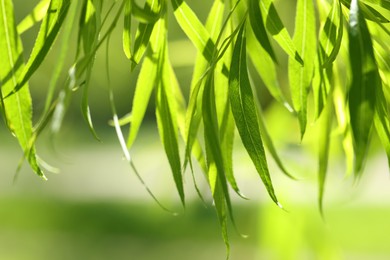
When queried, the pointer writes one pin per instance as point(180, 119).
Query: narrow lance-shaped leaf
point(64, 51)
point(301, 77)
point(126, 35)
point(116, 123)
point(146, 82)
point(265, 67)
point(193, 115)
point(276, 28)
point(90, 35)
point(244, 112)
point(383, 3)
point(17, 108)
point(226, 122)
point(257, 25)
point(48, 32)
point(166, 108)
point(193, 28)
point(144, 33)
point(321, 85)
point(365, 81)
point(215, 161)
point(37, 14)
point(331, 35)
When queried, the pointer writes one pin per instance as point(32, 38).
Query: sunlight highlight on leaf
point(300, 77)
point(17, 108)
point(276, 28)
point(48, 32)
point(37, 14)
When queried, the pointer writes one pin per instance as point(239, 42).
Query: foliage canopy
point(338, 56)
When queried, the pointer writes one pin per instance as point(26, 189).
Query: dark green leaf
point(257, 24)
point(244, 112)
point(276, 28)
point(365, 81)
point(126, 34)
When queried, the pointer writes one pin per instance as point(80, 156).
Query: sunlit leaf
point(126, 34)
point(193, 28)
point(166, 107)
point(17, 108)
point(331, 35)
point(383, 3)
point(257, 25)
point(145, 84)
point(193, 115)
point(275, 27)
point(37, 14)
point(147, 14)
point(217, 177)
point(143, 34)
point(301, 77)
point(265, 67)
point(48, 32)
point(64, 52)
point(90, 35)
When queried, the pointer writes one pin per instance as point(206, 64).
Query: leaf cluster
point(338, 55)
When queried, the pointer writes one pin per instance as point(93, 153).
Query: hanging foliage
point(331, 40)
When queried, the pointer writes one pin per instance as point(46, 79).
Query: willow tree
point(338, 58)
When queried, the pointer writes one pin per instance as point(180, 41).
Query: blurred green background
point(96, 208)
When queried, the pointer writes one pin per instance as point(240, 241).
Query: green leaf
point(145, 83)
point(17, 108)
point(331, 35)
point(48, 32)
point(226, 122)
point(146, 14)
point(322, 82)
point(244, 112)
point(64, 52)
point(383, 3)
point(37, 14)
point(265, 67)
point(215, 161)
point(193, 28)
point(143, 90)
point(126, 35)
point(143, 34)
point(301, 77)
point(257, 25)
point(90, 34)
point(193, 115)
point(166, 107)
point(365, 81)
point(276, 28)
